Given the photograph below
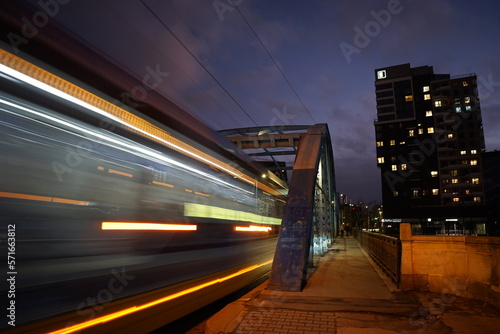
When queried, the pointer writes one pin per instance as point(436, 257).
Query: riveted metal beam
point(308, 210)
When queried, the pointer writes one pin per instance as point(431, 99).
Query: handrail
point(384, 250)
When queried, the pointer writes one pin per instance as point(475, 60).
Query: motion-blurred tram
point(117, 220)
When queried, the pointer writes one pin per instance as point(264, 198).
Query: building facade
point(491, 173)
point(429, 140)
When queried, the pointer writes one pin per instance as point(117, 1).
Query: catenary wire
point(197, 60)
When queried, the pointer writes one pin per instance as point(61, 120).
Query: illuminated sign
point(381, 74)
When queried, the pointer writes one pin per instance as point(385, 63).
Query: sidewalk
point(347, 295)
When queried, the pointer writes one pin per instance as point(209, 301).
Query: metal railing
point(384, 250)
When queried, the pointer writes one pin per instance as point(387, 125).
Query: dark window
point(386, 118)
point(384, 94)
point(385, 101)
point(383, 86)
point(385, 110)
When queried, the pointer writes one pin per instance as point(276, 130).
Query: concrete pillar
point(405, 236)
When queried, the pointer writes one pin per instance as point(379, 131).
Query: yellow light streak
point(163, 184)
point(43, 198)
point(209, 211)
point(139, 226)
point(137, 308)
point(112, 171)
point(34, 75)
point(201, 194)
point(252, 228)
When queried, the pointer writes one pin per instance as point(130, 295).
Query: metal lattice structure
point(311, 218)
point(272, 146)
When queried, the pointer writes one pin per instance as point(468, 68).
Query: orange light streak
point(138, 226)
point(43, 198)
point(252, 228)
point(112, 171)
point(136, 308)
point(163, 184)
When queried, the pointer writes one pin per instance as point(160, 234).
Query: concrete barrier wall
point(465, 266)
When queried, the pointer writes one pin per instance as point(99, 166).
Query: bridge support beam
point(312, 178)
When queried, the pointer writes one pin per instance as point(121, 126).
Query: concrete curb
point(226, 320)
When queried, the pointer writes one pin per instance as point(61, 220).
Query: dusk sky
point(327, 51)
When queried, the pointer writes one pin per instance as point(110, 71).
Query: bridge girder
point(311, 217)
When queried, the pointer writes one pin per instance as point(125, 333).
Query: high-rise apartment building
point(429, 140)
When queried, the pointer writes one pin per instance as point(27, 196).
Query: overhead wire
point(197, 60)
point(213, 76)
point(274, 61)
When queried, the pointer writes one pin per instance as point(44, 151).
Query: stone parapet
point(465, 266)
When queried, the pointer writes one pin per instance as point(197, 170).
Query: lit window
point(467, 191)
point(403, 167)
point(454, 180)
point(458, 109)
point(426, 89)
point(456, 199)
point(477, 199)
point(402, 143)
point(394, 168)
point(473, 162)
point(468, 108)
point(415, 193)
point(420, 131)
point(428, 113)
point(473, 151)
point(464, 162)
point(465, 83)
point(467, 99)
point(380, 143)
point(427, 96)
point(450, 135)
point(381, 74)
point(437, 103)
point(475, 180)
point(392, 142)
point(409, 98)
point(411, 133)
point(395, 193)
point(457, 100)
point(380, 160)
point(463, 152)
point(454, 172)
point(434, 173)
point(430, 130)
point(435, 191)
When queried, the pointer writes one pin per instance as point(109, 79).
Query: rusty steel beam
point(294, 248)
point(266, 141)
